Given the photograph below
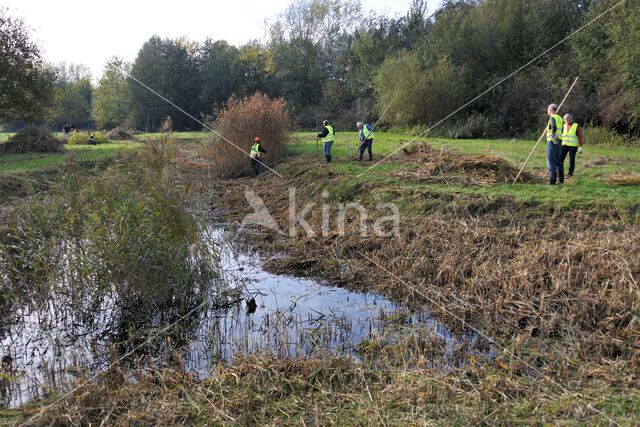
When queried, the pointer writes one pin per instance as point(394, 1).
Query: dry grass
point(623, 179)
point(450, 167)
point(31, 139)
point(568, 280)
point(119, 134)
point(240, 123)
point(265, 391)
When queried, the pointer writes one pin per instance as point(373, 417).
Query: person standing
point(66, 130)
point(366, 139)
point(554, 145)
point(328, 135)
point(256, 155)
point(572, 143)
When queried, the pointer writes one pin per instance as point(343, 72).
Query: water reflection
point(248, 310)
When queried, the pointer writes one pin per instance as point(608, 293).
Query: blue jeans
point(327, 148)
point(366, 145)
point(554, 162)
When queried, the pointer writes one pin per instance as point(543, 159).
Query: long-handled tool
point(543, 133)
point(376, 125)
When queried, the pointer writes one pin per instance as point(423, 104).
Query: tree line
point(331, 59)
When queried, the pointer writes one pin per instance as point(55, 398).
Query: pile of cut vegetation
point(119, 134)
point(32, 139)
point(446, 166)
point(623, 179)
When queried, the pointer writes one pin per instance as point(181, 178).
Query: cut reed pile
point(446, 166)
point(623, 179)
point(31, 139)
point(119, 134)
point(241, 122)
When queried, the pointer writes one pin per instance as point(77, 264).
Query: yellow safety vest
point(331, 136)
point(366, 133)
point(558, 133)
point(255, 151)
point(570, 135)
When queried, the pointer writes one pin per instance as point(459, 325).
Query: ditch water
point(47, 348)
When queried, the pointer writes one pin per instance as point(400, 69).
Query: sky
point(90, 32)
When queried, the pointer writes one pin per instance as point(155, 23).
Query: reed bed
point(568, 281)
point(240, 123)
point(261, 390)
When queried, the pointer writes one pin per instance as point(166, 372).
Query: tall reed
point(241, 122)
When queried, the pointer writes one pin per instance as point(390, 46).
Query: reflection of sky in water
point(293, 317)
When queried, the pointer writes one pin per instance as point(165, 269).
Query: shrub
point(240, 122)
point(474, 126)
point(599, 136)
point(80, 138)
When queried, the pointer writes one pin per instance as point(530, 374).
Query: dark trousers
point(554, 163)
point(366, 145)
point(255, 165)
point(572, 157)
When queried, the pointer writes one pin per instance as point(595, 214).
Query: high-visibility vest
point(570, 135)
point(331, 136)
point(366, 133)
point(255, 151)
point(558, 132)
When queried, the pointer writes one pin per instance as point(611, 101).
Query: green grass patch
point(175, 135)
point(19, 163)
point(586, 189)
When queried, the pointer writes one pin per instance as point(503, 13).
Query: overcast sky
point(89, 32)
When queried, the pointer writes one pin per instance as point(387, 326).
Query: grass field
point(586, 188)
point(18, 163)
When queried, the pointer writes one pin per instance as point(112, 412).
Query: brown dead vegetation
point(567, 278)
point(119, 134)
point(450, 167)
point(623, 179)
point(239, 124)
point(31, 139)
point(335, 391)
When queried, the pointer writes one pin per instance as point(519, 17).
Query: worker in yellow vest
point(554, 147)
point(256, 155)
point(328, 135)
point(572, 142)
point(365, 131)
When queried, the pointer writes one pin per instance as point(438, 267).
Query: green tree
point(402, 78)
point(26, 82)
point(222, 73)
point(256, 75)
point(73, 93)
point(112, 104)
point(169, 68)
point(606, 56)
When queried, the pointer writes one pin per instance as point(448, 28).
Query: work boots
point(328, 157)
